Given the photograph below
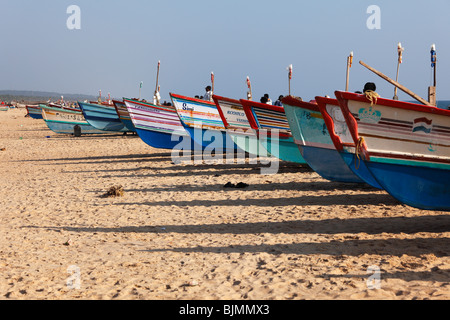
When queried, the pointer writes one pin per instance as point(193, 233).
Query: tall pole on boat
point(433, 62)
point(349, 65)
point(432, 89)
point(157, 84)
point(212, 81)
point(249, 92)
point(400, 60)
point(140, 87)
point(290, 77)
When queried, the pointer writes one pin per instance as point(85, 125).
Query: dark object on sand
point(77, 131)
point(114, 191)
point(240, 185)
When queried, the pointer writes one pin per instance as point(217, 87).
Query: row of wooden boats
point(400, 147)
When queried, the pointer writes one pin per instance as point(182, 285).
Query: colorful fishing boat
point(406, 147)
point(64, 120)
point(124, 115)
point(34, 111)
point(342, 139)
point(311, 135)
point(273, 131)
point(4, 106)
point(102, 116)
point(237, 126)
point(202, 121)
point(158, 125)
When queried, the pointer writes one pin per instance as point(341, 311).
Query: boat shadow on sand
point(93, 136)
point(363, 199)
point(264, 185)
point(334, 226)
point(350, 235)
point(103, 159)
point(205, 170)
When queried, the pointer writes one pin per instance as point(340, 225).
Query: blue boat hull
point(283, 149)
point(360, 169)
point(212, 139)
point(328, 164)
point(161, 140)
point(104, 124)
point(66, 128)
point(129, 125)
point(35, 116)
point(420, 187)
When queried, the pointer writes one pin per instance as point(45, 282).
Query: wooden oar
point(398, 85)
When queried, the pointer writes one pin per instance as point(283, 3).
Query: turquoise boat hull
point(313, 140)
point(282, 148)
point(238, 127)
point(102, 117)
point(129, 125)
point(68, 128)
point(249, 144)
point(273, 130)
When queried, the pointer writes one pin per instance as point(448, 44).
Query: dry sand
point(176, 233)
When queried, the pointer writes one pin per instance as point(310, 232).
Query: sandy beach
point(178, 234)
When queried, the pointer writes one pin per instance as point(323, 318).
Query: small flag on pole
point(349, 65)
point(290, 77)
point(433, 55)
point(249, 92)
point(400, 52)
point(140, 86)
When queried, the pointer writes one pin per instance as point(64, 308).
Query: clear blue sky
point(120, 43)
